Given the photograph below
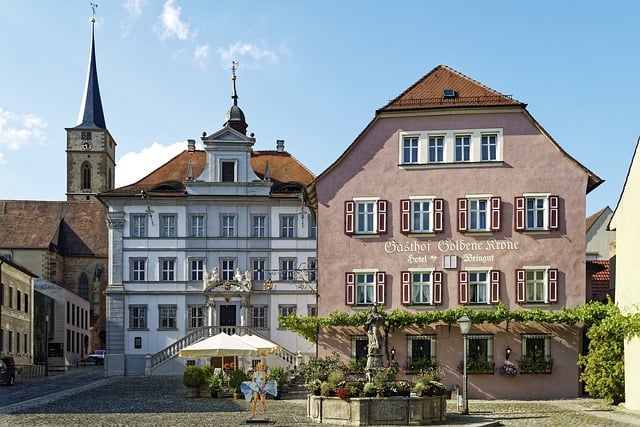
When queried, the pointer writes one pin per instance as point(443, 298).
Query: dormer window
point(228, 171)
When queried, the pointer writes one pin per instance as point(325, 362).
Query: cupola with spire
point(91, 113)
point(235, 116)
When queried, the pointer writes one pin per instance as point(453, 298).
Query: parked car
point(7, 370)
point(97, 356)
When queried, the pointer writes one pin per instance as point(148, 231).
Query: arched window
point(83, 287)
point(86, 176)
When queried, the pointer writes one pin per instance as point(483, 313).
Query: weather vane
point(234, 67)
point(94, 6)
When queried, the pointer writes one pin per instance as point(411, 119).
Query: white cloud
point(238, 50)
point(133, 8)
point(171, 24)
point(18, 130)
point(201, 55)
point(134, 166)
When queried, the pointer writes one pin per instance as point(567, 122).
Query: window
point(197, 269)
point(479, 213)
point(26, 303)
point(536, 354)
point(359, 347)
point(18, 343)
point(227, 268)
point(286, 309)
point(287, 226)
point(228, 226)
point(259, 316)
point(480, 354)
point(138, 225)
point(259, 228)
point(537, 285)
point(536, 212)
point(489, 147)
point(479, 287)
point(18, 299)
point(421, 287)
point(436, 149)
point(167, 316)
point(167, 269)
point(85, 136)
point(365, 287)
point(11, 297)
point(422, 215)
point(197, 226)
point(167, 225)
point(259, 267)
point(463, 148)
point(228, 171)
point(312, 270)
point(312, 310)
point(86, 176)
point(410, 150)
point(365, 216)
point(83, 287)
point(137, 317)
point(138, 269)
point(422, 352)
point(195, 313)
point(287, 269)
point(313, 227)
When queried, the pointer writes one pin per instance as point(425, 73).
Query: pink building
point(454, 196)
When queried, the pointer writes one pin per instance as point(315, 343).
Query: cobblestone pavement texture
point(162, 401)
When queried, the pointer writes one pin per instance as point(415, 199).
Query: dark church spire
point(235, 116)
point(91, 114)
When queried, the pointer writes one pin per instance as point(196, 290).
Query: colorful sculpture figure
point(258, 388)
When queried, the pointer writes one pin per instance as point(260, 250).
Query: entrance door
point(228, 318)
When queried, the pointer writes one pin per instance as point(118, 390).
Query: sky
point(311, 73)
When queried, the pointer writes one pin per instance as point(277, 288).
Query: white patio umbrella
point(219, 345)
point(263, 345)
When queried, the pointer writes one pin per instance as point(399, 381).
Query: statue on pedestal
point(374, 353)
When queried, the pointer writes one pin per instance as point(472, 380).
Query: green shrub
point(193, 377)
point(280, 375)
point(236, 377)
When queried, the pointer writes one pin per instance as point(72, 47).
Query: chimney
point(280, 145)
point(191, 145)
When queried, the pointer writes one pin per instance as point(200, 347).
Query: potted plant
point(193, 379)
point(236, 377)
point(214, 384)
point(369, 389)
point(280, 376)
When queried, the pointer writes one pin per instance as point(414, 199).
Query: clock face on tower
point(87, 145)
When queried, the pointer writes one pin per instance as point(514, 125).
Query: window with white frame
point(286, 309)
point(197, 225)
point(479, 213)
point(536, 354)
point(259, 316)
point(421, 352)
point(287, 269)
point(259, 226)
point(421, 287)
point(167, 269)
point(480, 354)
point(479, 286)
point(138, 225)
point(196, 267)
point(313, 227)
point(365, 287)
point(138, 316)
point(228, 171)
point(259, 266)
point(168, 225)
point(436, 149)
point(228, 266)
point(537, 284)
point(138, 269)
point(287, 226)
point(312, 310)
point(312, 270)
point(228, 226)
point(167, 316)
point(536, 212)
point(421, 214)
point(195, 315)
point(365, 216)
point(410, 150)
point(489, 147)
point(359, 347)
point(463, 148)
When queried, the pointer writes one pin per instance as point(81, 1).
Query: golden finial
point(94, 6)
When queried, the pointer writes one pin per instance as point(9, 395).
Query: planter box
point(369, 411)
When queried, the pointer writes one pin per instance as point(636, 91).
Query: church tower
point(90, 147)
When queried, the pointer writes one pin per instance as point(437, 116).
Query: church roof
point(91, 114)
point(74, 228)
point(285, 171)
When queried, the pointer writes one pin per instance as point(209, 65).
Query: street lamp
point(465, 326)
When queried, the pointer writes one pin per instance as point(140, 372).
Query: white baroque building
point(214, 240)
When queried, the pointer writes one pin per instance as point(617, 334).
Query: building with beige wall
point(454, 196)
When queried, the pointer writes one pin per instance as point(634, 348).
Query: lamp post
point(465, 326)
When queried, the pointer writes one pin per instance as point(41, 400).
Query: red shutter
point(496, 213)
point(437, 287)
point(521, 285)
point(462, 214)
point(463, 277)
point(438, 214)
point(405, 215)
point(382, 216)
point(552, 283)
point(380, 282)
point(406, 287)
point(349, 217)
point(350, 279)
point(520, 213)
point(553, 212)
point(495, 286)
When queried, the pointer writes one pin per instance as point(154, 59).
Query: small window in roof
point(449, 93)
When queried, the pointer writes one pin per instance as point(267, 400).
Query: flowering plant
point(343, 392)
point(508, 369)
point(228, 365)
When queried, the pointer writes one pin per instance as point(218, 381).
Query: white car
point(97, 356)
